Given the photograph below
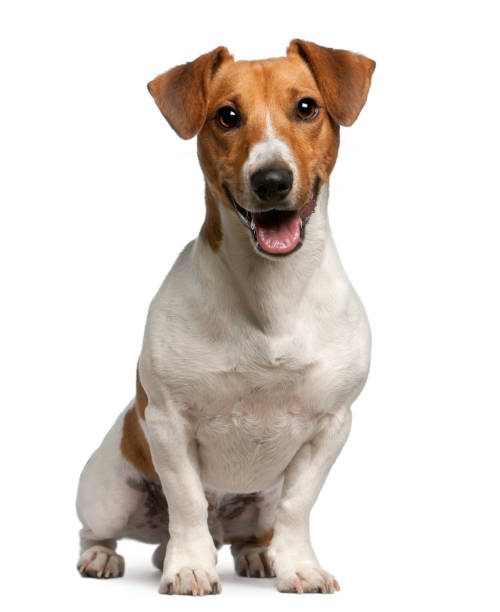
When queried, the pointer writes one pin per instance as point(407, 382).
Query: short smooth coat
point(255, 345)
point(254, 394)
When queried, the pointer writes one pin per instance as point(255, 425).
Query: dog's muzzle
point(276, 231)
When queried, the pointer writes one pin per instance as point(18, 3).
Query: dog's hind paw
point(253, 562)
point(101, 562)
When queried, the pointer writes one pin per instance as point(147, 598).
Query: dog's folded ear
point(343, 78)
point(182, 93)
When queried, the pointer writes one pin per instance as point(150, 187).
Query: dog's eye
point(306, 109)
point(228, 117)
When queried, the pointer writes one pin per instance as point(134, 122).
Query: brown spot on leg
point(265, 538)
point(262, 540)
point(134, 445)
point(250, 556)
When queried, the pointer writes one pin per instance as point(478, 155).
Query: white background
point(98, 196)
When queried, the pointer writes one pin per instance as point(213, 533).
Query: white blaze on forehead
point(268, 151)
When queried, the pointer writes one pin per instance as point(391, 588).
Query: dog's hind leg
point(159, 555)
point(248, 526)
point(105, 502)
point(251, 557)
point(98, 558)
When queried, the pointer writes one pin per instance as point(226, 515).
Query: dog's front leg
point(189, 566)
point(291, 553)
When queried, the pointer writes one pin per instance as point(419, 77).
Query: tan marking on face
point(265, 93)
point(134, 446)
point(211, 231)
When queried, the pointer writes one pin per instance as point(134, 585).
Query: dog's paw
point(101, 562)
point(307, 579)
point(253, 562)
point(190, 581)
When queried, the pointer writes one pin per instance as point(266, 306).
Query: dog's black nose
point(272, 184)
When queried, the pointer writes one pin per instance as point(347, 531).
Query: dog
point(255, 345)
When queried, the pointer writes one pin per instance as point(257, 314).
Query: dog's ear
point(343, 78)
point(182, 93)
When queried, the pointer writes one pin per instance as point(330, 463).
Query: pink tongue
point(279, 237)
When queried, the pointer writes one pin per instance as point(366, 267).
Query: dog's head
point(268, 133)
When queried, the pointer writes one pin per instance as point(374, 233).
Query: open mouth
point(277, 232)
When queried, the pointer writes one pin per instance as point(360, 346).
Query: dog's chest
point(260, 400)
point(256, 388)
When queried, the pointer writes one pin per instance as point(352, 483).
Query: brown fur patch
point(190, 95)
point(211, 230)
point(182, 97)
point(342, 77)
point(181, 93)
point(141, 399)
point(265, 539)
point(134, 446)
point(262, 89)
point(262, 540)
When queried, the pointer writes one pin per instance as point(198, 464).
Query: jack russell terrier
point(256, 344)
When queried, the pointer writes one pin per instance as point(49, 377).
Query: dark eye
point(306, 109)
point(228, 117)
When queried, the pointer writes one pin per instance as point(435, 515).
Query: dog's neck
point(273, 290)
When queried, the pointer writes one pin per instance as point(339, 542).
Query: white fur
point(250, 366)
point(102, 478)
point(267, 152)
